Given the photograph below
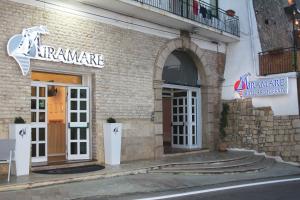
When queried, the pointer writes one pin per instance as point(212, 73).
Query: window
point(180, 69)
point(54, 77)
point(215, 6)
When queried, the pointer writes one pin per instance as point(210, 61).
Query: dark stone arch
point(208, 64)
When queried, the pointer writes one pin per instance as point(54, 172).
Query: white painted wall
point(242, 57)
point(205, 43)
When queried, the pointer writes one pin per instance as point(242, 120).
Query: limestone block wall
point(128, 88)
point(259, 129)
point(123, 89)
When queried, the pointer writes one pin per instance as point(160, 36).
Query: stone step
point(236, 163)
point(257, 166)
point(63, 165)
point(219, 161)
point(184, 152)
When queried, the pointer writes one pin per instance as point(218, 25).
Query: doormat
point(72, 170)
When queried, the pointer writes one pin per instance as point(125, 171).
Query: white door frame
point(180, 123)
point(198, 115)
point(86, 82)
point(78, 124)
point(38, 124)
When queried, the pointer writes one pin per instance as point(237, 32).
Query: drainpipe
point(250, 8)
point(295, 41)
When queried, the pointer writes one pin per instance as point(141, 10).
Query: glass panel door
point(78, 123)
point(179, 119)
point(38, 123)
point(185, 123)
point(193, 121)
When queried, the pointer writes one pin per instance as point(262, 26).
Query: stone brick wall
point(259, 129)
point(124, 89)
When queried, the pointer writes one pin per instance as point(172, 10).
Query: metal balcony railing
point(200, 12)
point(279, 61)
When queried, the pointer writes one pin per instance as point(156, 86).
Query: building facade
point(67, 67)
point(161, 68)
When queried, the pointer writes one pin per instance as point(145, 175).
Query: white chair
point(7, 147)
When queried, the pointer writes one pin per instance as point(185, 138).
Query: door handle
point(87, 126)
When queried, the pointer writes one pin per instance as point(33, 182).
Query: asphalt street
point(282, 191)
point(151, 185)
point(274, 191)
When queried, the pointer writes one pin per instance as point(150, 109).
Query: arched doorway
point(181, 102)
point(210, 68)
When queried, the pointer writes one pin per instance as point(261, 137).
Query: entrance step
point(248, 161)
point(185, 152)
point(207, 162)
point(65, 164)
point(240, 164)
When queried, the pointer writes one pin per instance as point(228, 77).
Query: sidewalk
point(130, 168)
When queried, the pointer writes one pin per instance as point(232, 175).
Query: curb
point(88, 177)
point(30, 185)
point(184, 188)
point(23, 186)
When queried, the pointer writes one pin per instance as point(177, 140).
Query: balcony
point(204, 19)
point(279, 61)
point(199, 11)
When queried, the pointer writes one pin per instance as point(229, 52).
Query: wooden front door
point(167, 120)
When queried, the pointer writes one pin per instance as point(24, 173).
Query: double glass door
point(77, 117)
point(78, 125)
point(185, 119)
point(39, 123)
point(179, 119)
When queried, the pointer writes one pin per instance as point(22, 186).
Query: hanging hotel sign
point(261, 87)
point(26, 46)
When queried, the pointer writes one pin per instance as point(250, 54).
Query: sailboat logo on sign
point(23, 47)
point(241, 85)
point(26, 46)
